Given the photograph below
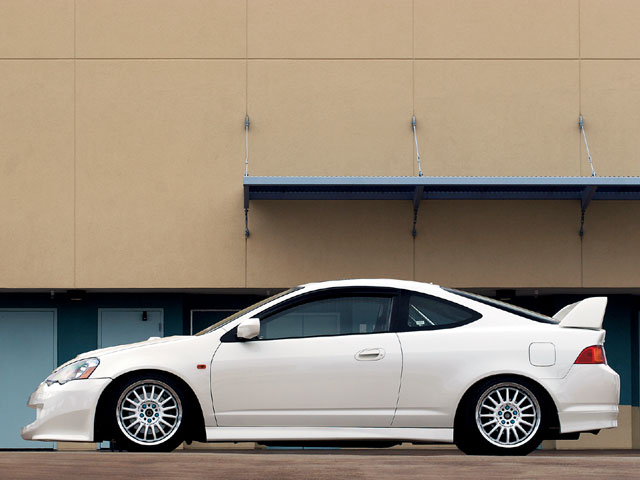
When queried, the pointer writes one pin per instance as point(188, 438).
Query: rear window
point(507, 307)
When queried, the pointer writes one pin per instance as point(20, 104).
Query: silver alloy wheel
point(149, 412)
point(508, 415)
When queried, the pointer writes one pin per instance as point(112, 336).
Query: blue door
point(27, 357)
point(120, 326)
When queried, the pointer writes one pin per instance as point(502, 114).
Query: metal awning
point(417, 189)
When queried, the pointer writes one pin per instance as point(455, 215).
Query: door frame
point(134, 309)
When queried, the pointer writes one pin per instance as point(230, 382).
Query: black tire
point(485, 425)
point(148, 413)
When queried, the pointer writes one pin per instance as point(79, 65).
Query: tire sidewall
point(123, 441)
point(471, 441)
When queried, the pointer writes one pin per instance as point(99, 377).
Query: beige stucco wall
point(36, 173)
point(156, 204)
point(297, 242)
point(499, 243)
point(122, 142)
point(498, 117)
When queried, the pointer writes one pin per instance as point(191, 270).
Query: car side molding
point(266, 434)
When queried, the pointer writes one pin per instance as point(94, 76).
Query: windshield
point(250, 308)
point(507, 307)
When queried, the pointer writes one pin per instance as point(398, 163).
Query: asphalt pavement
point(318, 464)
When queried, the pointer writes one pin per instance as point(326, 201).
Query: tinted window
point(507, 307)
point(429, 313)
point(330, 316)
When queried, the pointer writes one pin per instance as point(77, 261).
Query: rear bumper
point(65, 412)
point(587, 398)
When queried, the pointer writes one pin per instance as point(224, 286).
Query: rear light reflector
point(592, 355)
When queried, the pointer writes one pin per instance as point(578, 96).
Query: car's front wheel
point(501, 417)
point(149, 413)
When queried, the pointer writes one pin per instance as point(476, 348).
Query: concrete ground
point(318, 464)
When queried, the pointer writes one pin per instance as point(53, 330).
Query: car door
point(326, 359)
point(436, 337)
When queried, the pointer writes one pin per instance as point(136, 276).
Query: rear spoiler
point(589, 314)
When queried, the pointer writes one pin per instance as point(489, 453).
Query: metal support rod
point(581, 125)
point(415, 138)
point(246, 145)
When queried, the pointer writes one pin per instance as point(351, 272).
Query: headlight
point(73, 371)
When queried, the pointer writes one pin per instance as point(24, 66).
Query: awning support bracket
point(587, 196)
point(246, 212)
point(417, 198)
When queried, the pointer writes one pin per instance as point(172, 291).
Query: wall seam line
point(246, 109)
point(75, 155)
point(579, 138)
point(413, 108)
point(328, 59)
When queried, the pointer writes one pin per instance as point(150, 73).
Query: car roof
point(373, 282)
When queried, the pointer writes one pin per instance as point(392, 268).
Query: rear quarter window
point(425, 312)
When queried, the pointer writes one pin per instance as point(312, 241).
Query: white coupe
point(351, 363)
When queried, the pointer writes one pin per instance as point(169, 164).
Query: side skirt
point(270, 434)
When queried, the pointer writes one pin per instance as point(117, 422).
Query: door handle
point(370, 354)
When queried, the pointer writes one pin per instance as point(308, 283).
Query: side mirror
point(249, 328)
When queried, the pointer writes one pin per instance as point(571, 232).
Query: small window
point(329, 316)
point(431, 313)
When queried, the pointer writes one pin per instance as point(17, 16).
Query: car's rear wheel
point(150, 414)
point(501, 417)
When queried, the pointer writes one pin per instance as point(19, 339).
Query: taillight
point(592, 355)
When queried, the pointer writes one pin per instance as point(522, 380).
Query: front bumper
point(65, 412)
point(587, 398)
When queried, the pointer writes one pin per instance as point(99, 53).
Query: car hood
point(128, 346)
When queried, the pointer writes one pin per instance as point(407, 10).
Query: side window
point(431, 313)
point(329, 316)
